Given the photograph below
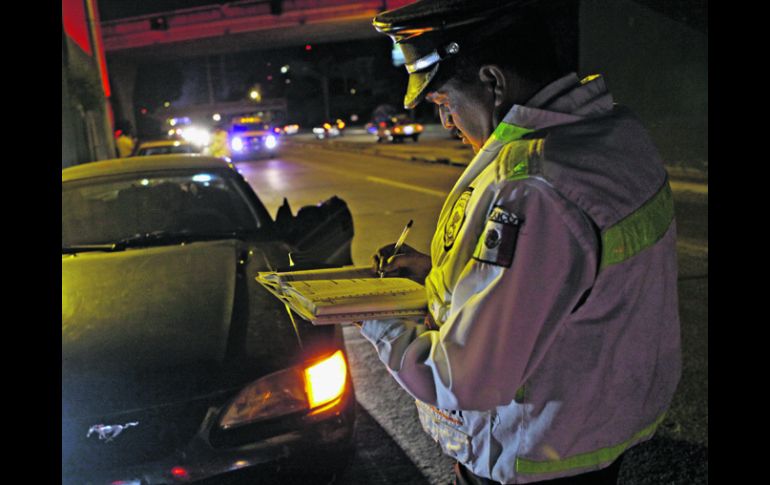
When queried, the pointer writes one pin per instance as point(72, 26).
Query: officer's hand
point(408, 263)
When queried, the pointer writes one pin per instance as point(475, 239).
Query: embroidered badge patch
point(498, 241)
point(456, 219)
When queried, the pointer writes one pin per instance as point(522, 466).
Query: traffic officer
point(552, 342)
point(124, 144)
point(220, 145)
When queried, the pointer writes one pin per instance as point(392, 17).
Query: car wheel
point(415, 138)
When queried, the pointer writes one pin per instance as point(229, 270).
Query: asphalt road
point(383, 193)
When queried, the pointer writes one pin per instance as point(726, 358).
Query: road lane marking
point(689, 187)
point(416, 188)
point(693, 246)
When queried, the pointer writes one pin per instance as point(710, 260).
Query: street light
point(254, 94)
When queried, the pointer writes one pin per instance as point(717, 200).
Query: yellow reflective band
point(514, 159)
point(639, 230)
point(585, 460)
point(506, 132)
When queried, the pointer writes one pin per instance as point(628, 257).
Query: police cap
point(429, 32)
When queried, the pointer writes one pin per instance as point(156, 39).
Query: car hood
point(145, 327)
point(148, 307)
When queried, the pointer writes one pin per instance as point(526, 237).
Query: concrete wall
point(86, 128)
point(656, 66)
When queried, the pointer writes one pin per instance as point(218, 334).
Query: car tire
point(415, 138)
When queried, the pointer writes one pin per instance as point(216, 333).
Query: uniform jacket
point(124, 145)
point(554, 287)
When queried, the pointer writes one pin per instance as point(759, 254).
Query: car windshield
point(190, 203)
point(249, 127)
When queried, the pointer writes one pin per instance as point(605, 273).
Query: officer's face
point(467, 107)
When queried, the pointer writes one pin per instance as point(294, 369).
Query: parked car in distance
point(166, 147)
point(398, 128)
point(177, 366)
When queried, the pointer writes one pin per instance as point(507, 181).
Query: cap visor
point(417, 87)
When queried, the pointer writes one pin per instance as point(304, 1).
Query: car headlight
point(271, 142)
point(236, 144)
point(300, 388)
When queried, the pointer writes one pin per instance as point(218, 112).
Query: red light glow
point(180, 472)
point(308, 47)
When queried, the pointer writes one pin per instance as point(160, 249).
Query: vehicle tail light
point(325, 381)
point(180, 473)
point(300, 388)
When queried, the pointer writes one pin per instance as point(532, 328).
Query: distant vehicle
point(291, 129)
point(177, 366)
point(250, 137)
point(166, 147)
point(329, 129)
point(398, 128)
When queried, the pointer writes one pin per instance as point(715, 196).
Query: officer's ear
point(496, 82)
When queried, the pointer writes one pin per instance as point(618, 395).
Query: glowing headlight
point(271, 142)
point(325, 381)
point(197, 136)
point(408, 130)
point(236, 144)
point(288, 391)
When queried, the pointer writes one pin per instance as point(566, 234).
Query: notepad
point(345, 295)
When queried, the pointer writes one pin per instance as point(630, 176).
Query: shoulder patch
point(498, 240)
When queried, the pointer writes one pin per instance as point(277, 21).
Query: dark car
point(177, 366)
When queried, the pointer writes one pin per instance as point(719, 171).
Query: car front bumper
point(324, 440)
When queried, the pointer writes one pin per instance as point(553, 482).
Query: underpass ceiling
point(337, 31)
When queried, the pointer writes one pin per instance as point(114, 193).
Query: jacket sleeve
point(502, 319)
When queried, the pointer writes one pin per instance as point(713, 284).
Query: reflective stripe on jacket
point(554, 288)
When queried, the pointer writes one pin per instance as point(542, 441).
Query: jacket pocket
point(448, 430)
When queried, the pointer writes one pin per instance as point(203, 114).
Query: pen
point(398, 245)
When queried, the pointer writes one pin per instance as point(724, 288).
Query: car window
point(106, 210)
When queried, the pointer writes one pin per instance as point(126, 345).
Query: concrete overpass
point(241, 26)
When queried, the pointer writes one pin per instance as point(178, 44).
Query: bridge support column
point(123, 81)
